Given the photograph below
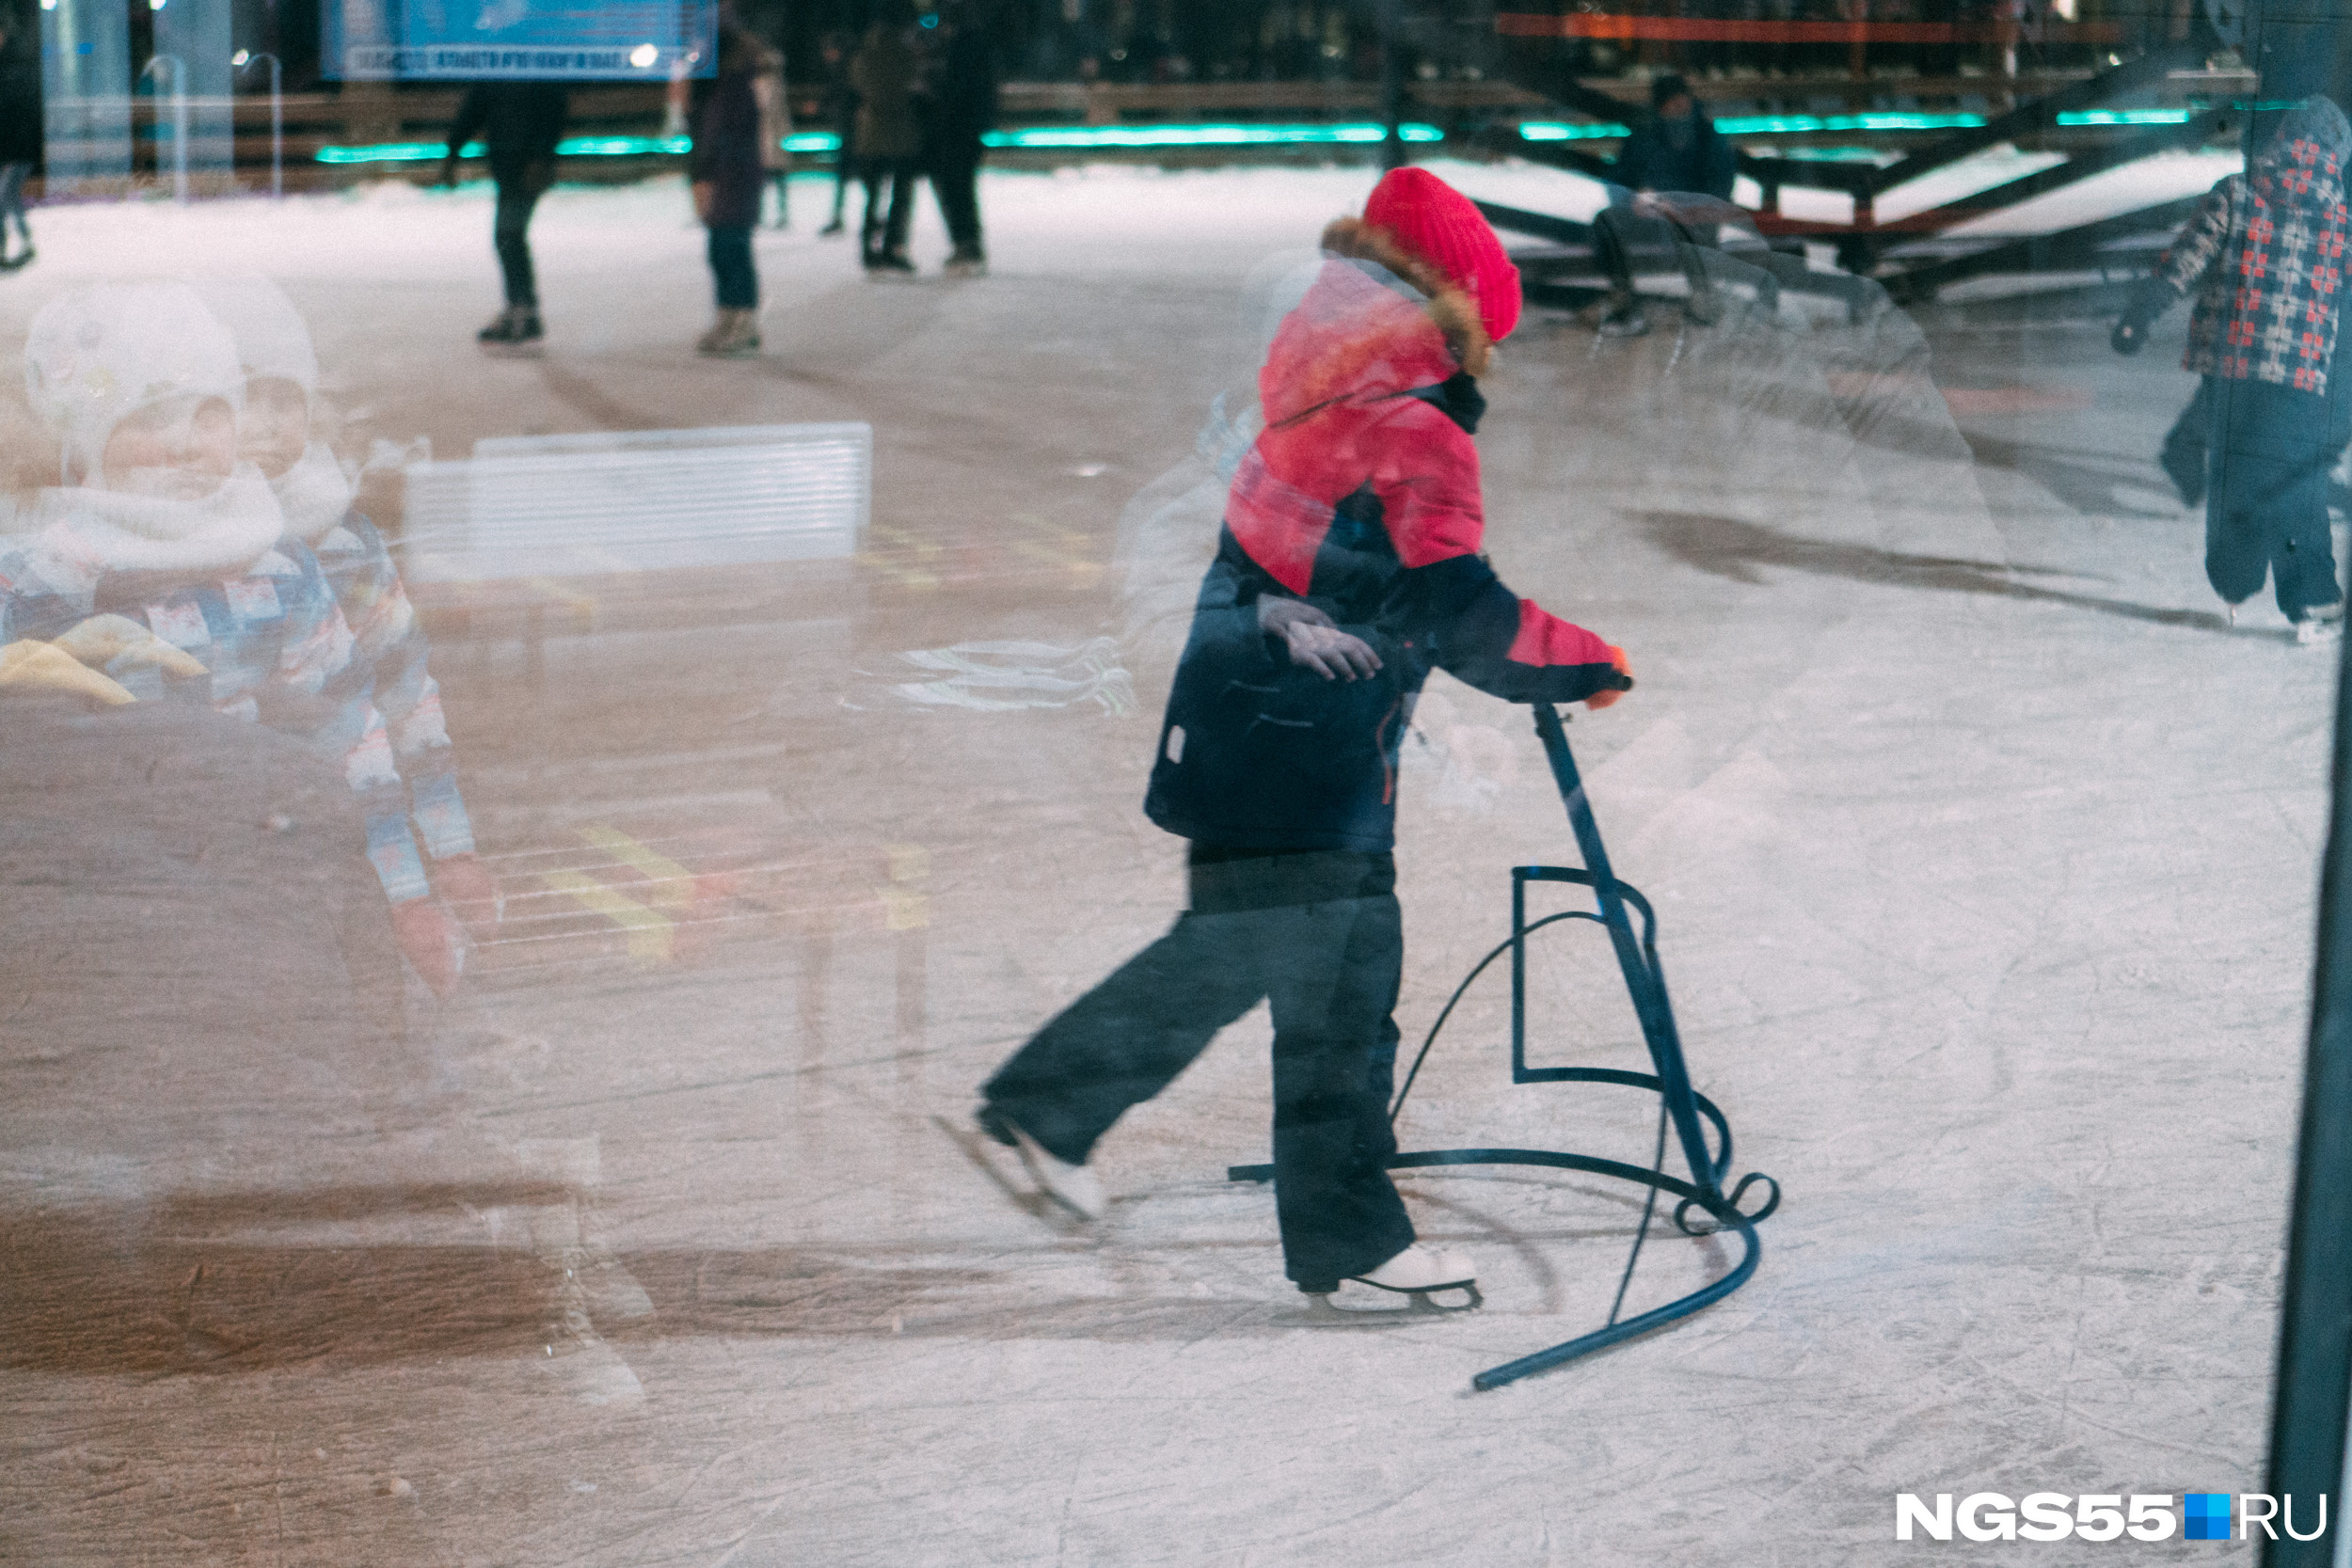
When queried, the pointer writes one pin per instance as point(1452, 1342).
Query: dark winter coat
point(726, 122)
point(519, 123)
point(964, 94)
point(1361, 498)
point(20, 131)
point(1650, 161)
point(882, 76)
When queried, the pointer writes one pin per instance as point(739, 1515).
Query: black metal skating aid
point(1681, 1108)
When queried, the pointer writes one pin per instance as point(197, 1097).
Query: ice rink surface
point(1984, 852)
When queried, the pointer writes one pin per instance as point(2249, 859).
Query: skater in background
point(279, 433)
point(889, 137)
point(2263, 254)
point(1674, 151)
point(840, 112)
point(963, 106)
point(775, 129)
point(519, 123)
point(727, 175)
point(160, 564)
point(1348, 567)
point(21, 137)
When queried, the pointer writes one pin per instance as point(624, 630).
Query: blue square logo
point(2205, 1516)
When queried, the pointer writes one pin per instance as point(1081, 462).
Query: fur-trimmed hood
point(1353, 337)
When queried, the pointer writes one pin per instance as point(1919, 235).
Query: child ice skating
point(2264, 253)
point(1347, 568)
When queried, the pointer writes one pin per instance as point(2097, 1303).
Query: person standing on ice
point(520, 124)
point(962, 110)
point(1348, 567)
point(21, 138)
point(725, 173)
point(161, 563)
point(276, 433)
point(1674, 154)
point(2265, 255)
point(889, 137)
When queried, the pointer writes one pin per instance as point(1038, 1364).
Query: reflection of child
point(174, 548)
point(274, 434)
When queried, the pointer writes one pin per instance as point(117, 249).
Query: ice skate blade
point(1003, 1167)
point(1323, 1312)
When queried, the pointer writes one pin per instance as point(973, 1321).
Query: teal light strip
point(392, 152)
point(1204, 135)
point(1757, 125)
point(1553, 129)
point(1838, 155)
point(2127, 116)
point(571, 147)
point(1080, 138)
point(621, 147)
point(1762, 125)
point(1072, 137)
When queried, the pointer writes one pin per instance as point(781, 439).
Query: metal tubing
point(1644, 978)
point(1649, 1000)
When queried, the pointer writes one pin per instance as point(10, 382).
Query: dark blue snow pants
point(2266, 507)
point(1320, 936)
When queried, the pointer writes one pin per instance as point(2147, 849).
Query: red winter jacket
point(1361, 498)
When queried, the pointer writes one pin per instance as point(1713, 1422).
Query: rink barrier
point(606, 501)
point(1682, 1108)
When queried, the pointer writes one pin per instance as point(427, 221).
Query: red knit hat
point(1439, 225)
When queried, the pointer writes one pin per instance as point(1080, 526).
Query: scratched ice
point(1983, 851)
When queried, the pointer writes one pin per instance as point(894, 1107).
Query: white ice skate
point(1415, 1273)
point(1075, 1187)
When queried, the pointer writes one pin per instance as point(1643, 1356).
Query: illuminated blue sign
point(426, 41)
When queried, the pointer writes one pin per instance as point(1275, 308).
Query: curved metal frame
point(1689, 1111)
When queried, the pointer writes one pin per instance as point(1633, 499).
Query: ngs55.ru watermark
point(2109, 1516)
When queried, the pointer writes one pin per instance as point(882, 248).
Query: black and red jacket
point(1361, 497)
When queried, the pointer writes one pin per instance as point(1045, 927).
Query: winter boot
point(889, 263)
point(736, 333)
point(1419, 1268)
point(1075, 1187)
point(1621, 315)
point(966, 263)
point(514, 327)
point(1415, 1273)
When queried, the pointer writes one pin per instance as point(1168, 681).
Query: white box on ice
point(525, 506)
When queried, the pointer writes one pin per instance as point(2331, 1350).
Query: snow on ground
point(2148, 182)
point(1980, 171)
point(1983, 851)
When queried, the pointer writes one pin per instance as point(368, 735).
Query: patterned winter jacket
point(2264, 252)
point(274, 645)
point(391, 646)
